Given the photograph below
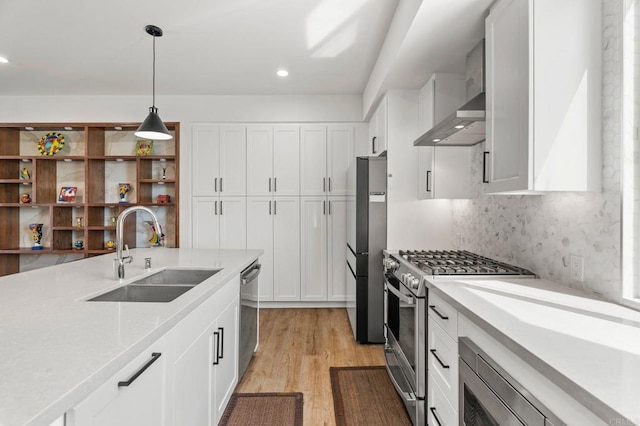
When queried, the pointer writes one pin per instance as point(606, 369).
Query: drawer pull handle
point(435, 417)
point(221, 346)
point(216, 357)
point(433, 308)
point(154, 358)
point(442, 364)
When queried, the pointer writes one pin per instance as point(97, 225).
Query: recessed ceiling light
point(436, 140)
point(282, 73)
point(460, 126)
point(3, 60)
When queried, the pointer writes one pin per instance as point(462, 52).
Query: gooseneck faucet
point(120, 236)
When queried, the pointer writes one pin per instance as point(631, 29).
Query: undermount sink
point(143, 293)
point(160, 287)
point(177, 276)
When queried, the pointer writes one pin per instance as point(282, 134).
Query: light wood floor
point(297, 347)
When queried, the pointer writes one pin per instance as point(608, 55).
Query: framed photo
point(67, 194)
point(144, 148)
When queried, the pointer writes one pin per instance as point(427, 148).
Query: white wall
point(186, 110)
point(411, 223)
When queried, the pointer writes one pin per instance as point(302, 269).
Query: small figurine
point(79, 221)
point(110, 245)
point(124, 189)
point(163, 199)
point(25, 174)
point(164, 172)
point(114, 219)
point(79, 245)
point(36, 230)
point(25, 198)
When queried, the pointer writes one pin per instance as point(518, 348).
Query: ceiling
point(224, 47)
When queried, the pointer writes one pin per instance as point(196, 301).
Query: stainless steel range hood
point(466, 126)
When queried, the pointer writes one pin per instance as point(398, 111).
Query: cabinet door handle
point(154, 358)
point(275, 207)
point(435, 417)
point(373, 143)
point(220, 184)
point(324, 185)
point(329, 184)
point(275, 184)
point(442, 364)
point(221, 345)
point(216, 344)
point(428, 174)
point(484, 167)
point(324, 209)
point(220, 207)
point(269, 184)
point(433, 308)
point(215, 204)
point(329, 203)
point(215, 185)
point(269, 206)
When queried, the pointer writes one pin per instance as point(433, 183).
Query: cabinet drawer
point(440, 412)
point(443, 314)
point(443, 361)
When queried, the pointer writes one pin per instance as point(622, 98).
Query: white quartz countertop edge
point(492, 305)
point(95, 339)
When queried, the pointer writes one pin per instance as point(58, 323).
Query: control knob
point(414, 283)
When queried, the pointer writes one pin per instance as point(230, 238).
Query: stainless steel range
point(407, 277)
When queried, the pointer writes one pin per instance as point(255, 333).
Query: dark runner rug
point(366, 396)
point(263, 409)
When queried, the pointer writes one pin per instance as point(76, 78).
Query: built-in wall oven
point(491, 397)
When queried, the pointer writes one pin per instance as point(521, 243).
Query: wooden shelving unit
point(95, 158)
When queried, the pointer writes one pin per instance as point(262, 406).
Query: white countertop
point(55, 348)
point(588, 347)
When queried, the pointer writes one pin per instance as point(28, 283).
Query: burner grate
point(459, 262)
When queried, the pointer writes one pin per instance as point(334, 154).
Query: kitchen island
point(56, 348)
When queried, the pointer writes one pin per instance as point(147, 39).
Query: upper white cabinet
point(326, 153)
point(219, 160)
point(273, 160)
point(443, 172)
point(378, 129)
point(543, 96)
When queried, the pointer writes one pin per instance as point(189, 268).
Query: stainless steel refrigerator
point(366, 238)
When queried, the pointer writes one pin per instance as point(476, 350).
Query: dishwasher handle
point(250, 273)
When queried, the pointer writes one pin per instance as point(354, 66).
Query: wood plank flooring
point(297, 347)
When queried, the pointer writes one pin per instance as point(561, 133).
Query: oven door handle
point(408, 397)
point(402, 297)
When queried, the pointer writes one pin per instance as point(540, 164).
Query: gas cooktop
point(459, 262)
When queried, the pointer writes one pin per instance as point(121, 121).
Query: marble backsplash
point(541, 232)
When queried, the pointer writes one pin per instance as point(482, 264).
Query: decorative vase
point(25, 198)
point(124, 189)
point(36, 230)
point(110, 245)
point(79, 244)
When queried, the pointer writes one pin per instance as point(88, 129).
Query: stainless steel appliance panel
point(249, 315)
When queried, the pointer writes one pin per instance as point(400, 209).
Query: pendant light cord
point(154, 73)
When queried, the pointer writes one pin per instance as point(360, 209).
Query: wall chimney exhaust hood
point(466, 126)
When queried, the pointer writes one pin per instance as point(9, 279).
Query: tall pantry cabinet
point(273, 208)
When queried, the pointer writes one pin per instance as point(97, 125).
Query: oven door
point(405, 365)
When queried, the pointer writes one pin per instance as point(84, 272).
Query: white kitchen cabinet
point(325, 155)
point(323, 255)
point(220, 222)
point(378, 126)
point(443, 172)
point(139, 394)
point(273, 160)
point(439, 409)
point(273, 224)
point(206, 359)
point(219, 160)
point(543, 86)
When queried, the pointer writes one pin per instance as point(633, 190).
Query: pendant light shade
point(152, 127)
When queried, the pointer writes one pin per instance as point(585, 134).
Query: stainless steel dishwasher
point(249, 315)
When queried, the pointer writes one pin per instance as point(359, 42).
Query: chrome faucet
point(120, 236)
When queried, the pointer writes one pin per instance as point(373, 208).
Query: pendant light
point(152, 127)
